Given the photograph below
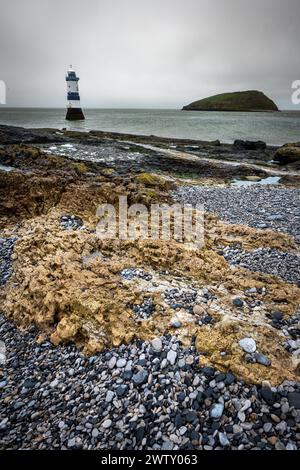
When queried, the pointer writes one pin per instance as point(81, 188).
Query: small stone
point(279, 446)
point(171, 357)
point(140, 377)
point(261, 359)
point(189, 360)
point(95, 432)
point(238, 302)
point(112, 362)
point(3, 424)
point(285, 408)
point(237, 429)
point(121, 390)
point(252, 290)
point(277, 315)
point(167, 446)
point(249, 358)
point(281, 427)
point(107, 356)
point(174, 438)
point(248, 345)
point(191, 417)
point(268, 395)
point(229, 378)
point(109, 396)
point(119, 437)
point(294, 399)
point(175, 323)
point(121, 363)
point(29, 383)
point(267, 427)
point(216, 410)
point(139, 434)
point(223, 439)
point(290, 446)
point(163, 364)
point(246, 405)
point(247, 426)
point(54, 383)
point(156, 344)
point(71, 442)
point(208, 371)
point(107, 423)
point(272, 440)
point(198, 310)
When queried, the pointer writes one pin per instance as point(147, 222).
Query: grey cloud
point(137, 53)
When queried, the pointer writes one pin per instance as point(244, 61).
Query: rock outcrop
point(70, 284)
point(250, 144)
point(288, 153)
point(238, 101)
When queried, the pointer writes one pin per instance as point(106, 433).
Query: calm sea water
point(273, 128)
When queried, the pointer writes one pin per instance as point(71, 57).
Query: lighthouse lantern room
point(74, 111)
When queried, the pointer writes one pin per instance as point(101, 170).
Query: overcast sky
point(148, 53)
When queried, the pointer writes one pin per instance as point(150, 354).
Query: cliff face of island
point(239, 101)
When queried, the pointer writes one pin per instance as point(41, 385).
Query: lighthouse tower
point(74, 111)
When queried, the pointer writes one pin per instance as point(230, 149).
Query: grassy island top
point(252, 100)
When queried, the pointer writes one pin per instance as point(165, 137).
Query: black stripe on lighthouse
point(73, 96)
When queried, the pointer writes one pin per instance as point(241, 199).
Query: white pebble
point(248, 345)
point(172, 356)
point(156, 344)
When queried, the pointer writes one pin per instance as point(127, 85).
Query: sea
point(272, 128)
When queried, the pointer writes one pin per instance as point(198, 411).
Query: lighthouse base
point(75, 114)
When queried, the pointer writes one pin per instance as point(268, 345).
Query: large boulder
point(288, 153)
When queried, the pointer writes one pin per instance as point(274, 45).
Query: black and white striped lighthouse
point(74, 111)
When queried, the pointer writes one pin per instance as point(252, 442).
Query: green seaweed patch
point(80, 168)
point(149, 179)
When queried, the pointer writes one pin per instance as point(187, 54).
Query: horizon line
point(130, 108)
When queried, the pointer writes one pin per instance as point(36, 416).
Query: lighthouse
point(74, 111)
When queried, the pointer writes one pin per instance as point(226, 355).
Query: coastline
point(275, 129)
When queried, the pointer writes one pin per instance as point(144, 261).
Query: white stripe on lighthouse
point(74, 104)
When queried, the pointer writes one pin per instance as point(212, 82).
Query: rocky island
point(251, 101)
point(120, 344)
